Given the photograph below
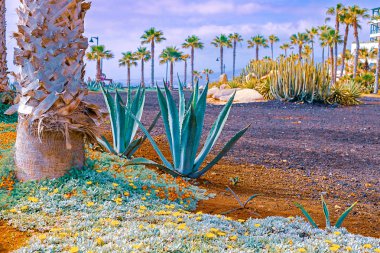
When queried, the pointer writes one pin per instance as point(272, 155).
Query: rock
point(248, 96)
point(212, 92)
point(224, 86)
point(224, 95)
point(223, 78)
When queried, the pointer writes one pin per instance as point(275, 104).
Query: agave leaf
point(147, 162)
point(214, 133)
point(224, 151)
point(182, 102)
point(344, 215)
point(250, 199)
point(188, 152)
point(137, 108)
point(153, 143)
point(326, 212)
point(111, 109)
point(120, 119)
point(200, 110)
point(105, 144)
point(307, 215)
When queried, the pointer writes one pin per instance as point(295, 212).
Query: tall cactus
point(53, 119)
point(3, 49)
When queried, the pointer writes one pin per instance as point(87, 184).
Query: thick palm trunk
point(185, 74)
point(171, 76)
point(323, 55)
point(192, 68)
point(336, 49)
point(221, 60)
point(356, 60)
point(286, 53)
point(376, 87)
point(271, 49)
point(98, 71)
point(344, 49)
point(129, 76)
point(332, 65)
point(257, 52)
point(3, 49)
point(53, 119)
point(300, 52)
point(233, 60)
point(312, 49)
point(142, 74)
point(152, 67)
point(207, 78)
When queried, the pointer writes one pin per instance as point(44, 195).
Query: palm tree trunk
point(332, 65)
point(323, 55)
point(129, 76)
point(271, 48)
point(98, 71)
point(257, 52)
point(312, 48)
point(336, 49)
point(234, 60)
point(192, 68)
point(356, 60)
point(286, 53)
point(171, 75)
point(185, 73)
point(221, 61)
point(152, 68)
point(300, 52)
point(207, 78)
point(376, 87)
point(3, 49)
point(344, 49)
point(142, 74)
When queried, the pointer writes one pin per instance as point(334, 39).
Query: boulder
point(224, 86)
point(212, 92)
point(223, 78)
point(248, 96)
point(223, 93)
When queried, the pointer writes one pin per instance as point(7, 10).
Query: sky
point(120, 24)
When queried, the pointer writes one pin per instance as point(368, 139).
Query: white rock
point(212, 92)
point(248, 96)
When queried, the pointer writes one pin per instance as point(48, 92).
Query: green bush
point(346, 93)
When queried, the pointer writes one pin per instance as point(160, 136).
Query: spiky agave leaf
point(326, 212)
point(344, 215)
point(307, 215)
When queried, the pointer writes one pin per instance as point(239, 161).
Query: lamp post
point(224, 65)
point(97, 43)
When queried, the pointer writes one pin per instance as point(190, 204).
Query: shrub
point(346, 93)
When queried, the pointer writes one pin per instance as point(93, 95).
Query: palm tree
point(193, 42)
point(376, 86)
point(312, 33)
point(207, 73)
point(53, 119)
point(221, 41)
point(257, 41)
point(235, 38)
point(336, 11)
point(171, 55)
point(273, 39)
point(285, 47)
point(197, 75)
point(3, 49)
point(346, 19)
point(299, 39)
point(307, 51)
point(128, 60)
point(184, 58)
point(143, 55)
point(152, 36)
point(323, 29)
point(98, 53)
point(331, 37)
point(356, 13)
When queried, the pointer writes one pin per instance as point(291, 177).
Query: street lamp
point(92, 40)
point(224, 65)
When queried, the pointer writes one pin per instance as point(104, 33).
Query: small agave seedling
point(184, 129)
point(124, 127)
point(327, 214)
point(242, 205)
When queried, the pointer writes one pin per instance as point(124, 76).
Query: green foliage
point(5, 118)
point(326, 213)
point(94, 85)
point(184, 129)
point(346, 93)
point(366, 81)
point(124, 127)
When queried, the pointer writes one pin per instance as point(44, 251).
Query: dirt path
point(11, 239)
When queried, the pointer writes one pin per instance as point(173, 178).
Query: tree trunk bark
point(129, 76)
point(312, 48)
point(286, 53)
point(152, 67)
point(171, 76)
point(356, 61)
point(257, 52)
point(98, 71)
point(300, 52)
point(344, 49)
point(142, 74)
point(221, 61)
point(271, 48)
point(192, 67)
point(185, 73)
point(336, 49)
point(376, 87)
point(3, 49)
point(332, 65)
point(234, 60)
point(323, 55)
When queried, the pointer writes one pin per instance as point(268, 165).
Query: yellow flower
point(228, 218)
point(176, 214)
point(24, 208)
point(172, 206)
point(42, 237)
point(143, 198)
point(55, 191)
point(348, 248)
point(367, 246)
point(241, 220)
point(99, 171)
point(257, 225)
point(377, 250)
point(233, 238)
point(198, 218)
point(118, 201)
point(90, 204)
point(33, 199)
point(328, 241)
point(214, 230)
point(301, 250)
point(148, 194)
point(115, 184)
point(199, 213)
point(43, 188)
point(74, 249)
point(181, 226)
point(180, 220)
point(89, 182)
point(337, 233)
point(13, 210)
point(99, 241)
point(334, 247)
point(126, 194)
point(115, 223)
point(142, 207)
point(220, 233)
point(137, 246)
point(290, 242)
point(210, 235)
point(97, 229)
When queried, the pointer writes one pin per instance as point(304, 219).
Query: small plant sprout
point(242, 205)
point(234, 180)
point(326, 213)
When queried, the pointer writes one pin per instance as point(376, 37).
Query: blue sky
point(120, 23)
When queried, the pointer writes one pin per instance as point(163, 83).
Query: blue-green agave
point(184, 127)
point(123, 125)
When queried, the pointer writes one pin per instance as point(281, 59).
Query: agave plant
point(124, 127)
point(184, 131)
point(339, 222)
